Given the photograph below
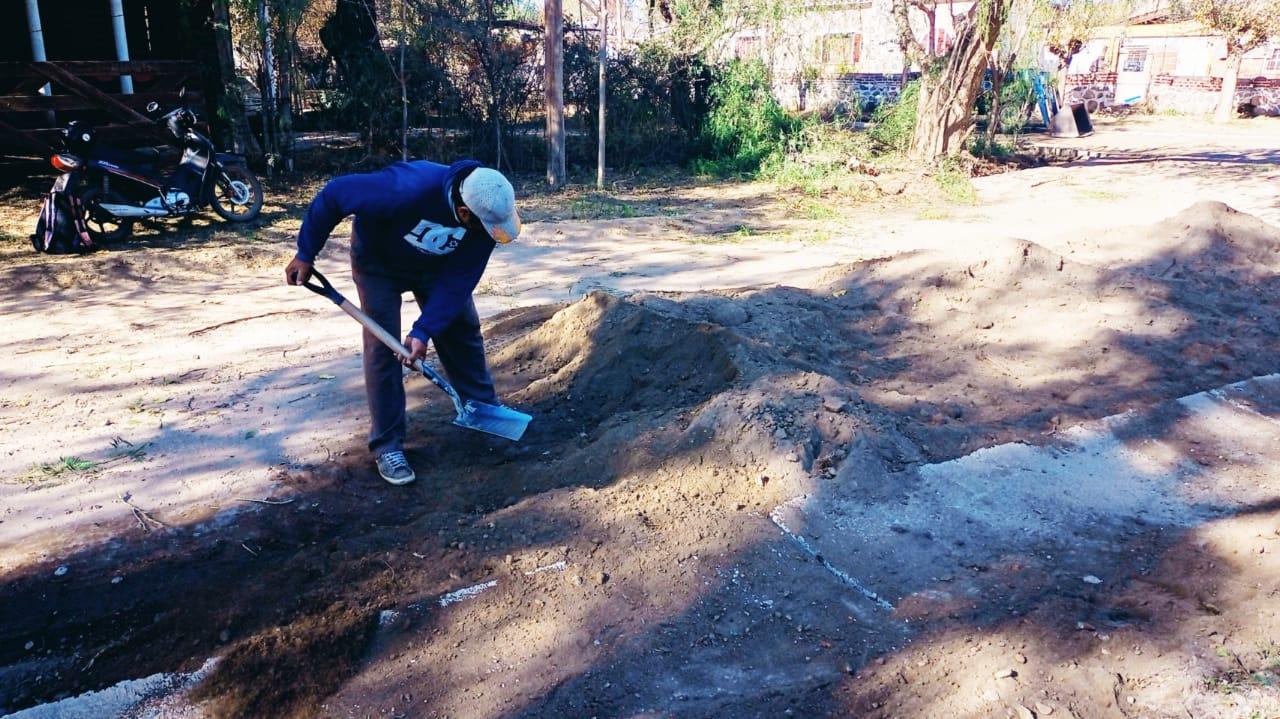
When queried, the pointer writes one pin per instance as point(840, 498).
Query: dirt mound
point(1211, 237)
point(603, 357)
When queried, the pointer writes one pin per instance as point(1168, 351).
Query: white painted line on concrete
point(840, 574)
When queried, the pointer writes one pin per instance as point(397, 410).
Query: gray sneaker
point(395, 468)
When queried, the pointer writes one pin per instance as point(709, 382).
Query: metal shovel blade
point(493, 419)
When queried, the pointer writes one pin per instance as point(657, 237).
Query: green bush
point(997, 150)
point(953, 179)
point(746, 124)
point(815, 157)
point(895, 122)
point(1016, 98)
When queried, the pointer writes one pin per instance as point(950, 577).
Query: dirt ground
point(793, 455)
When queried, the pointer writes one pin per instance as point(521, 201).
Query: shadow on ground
point(667, 429)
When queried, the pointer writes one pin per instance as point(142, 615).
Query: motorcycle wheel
point(104, 227)
point(237, 194)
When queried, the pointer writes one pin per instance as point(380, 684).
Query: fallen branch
point(142, 515)
point(210, 328)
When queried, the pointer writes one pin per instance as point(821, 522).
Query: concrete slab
point(1060, 514)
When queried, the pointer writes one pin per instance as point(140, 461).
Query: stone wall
point(839, 92)
point(1262, 93)
point(1096, 90)
point(1185, 95)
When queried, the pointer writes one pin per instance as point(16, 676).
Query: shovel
point(490, 418)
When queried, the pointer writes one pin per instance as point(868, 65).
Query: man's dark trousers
point(460, 348)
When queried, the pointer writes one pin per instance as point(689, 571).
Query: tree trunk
point(350, 35)
point(268, 87)
point(553, 15)
point(993, 110)
point(998, 72)
point(945, 119)
point(286, 41)
point(242, 139)
point(1227, 99)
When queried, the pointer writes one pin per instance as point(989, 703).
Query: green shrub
point(746, 124)
point(953, 179)
point(1016, 98)
point(997, 150)
point(895, 122)
point(815, 157)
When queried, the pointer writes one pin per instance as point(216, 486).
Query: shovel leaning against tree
point(491, 418)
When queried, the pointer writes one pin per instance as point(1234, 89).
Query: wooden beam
point(106, 102)
point(104, 70)
point(62, 103)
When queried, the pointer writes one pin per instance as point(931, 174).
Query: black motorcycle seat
point(139, 158)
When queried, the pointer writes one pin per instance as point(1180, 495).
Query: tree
point(350, 35)
point(477, 61)
point(232, 98)
point(1068, 24)
point(1245, 24)
point(1023, 37)
point(949, 85)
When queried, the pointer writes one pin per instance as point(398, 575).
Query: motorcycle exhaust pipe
point(133, 211)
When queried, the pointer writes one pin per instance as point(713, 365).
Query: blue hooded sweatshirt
point(405, 225)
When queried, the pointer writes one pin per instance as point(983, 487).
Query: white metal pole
point(37, 38)
point(122, 43)
point(603, 16)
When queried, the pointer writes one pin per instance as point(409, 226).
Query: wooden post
point(604, 72)
point(553, 39)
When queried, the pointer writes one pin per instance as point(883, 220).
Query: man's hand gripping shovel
point(490, 418)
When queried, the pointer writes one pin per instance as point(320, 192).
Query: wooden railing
point(29, 119)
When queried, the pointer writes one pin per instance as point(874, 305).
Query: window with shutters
point(844, 50)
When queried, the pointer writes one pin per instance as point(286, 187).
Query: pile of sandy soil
point(663, 421)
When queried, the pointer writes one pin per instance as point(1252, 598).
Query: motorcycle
point(118, 187)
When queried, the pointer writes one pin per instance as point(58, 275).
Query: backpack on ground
point(61, 228)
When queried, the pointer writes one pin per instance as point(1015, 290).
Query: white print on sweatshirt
point(435, 239)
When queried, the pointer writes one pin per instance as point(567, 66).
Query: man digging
point(424, 228)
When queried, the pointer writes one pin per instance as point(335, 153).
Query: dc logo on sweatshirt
point(435, 239)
